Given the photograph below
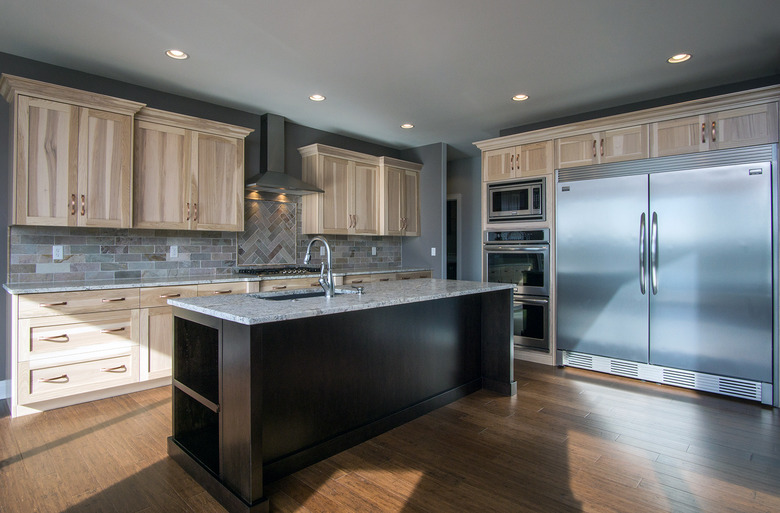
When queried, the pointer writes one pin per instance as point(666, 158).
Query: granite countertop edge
point(250, 309)
point(74, 286)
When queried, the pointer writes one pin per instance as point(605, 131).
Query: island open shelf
point(281, 393)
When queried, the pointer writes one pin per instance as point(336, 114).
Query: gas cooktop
point(278, 271)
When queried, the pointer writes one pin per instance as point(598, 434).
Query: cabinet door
point(218, 167)
point(534, 159)
point(104, 176)
point(744, 127)
point(46, 162)
point(411, 202)
point(394, 190)
point(161, 188)
point(156, 342)
point(678, 136)
point(365, 211)
point(624, 144)
point(335, 201)
point(498, 164)
point(579, 150)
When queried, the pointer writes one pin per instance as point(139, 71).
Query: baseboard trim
point(5, 389)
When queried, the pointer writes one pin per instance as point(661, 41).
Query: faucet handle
point(322, 269)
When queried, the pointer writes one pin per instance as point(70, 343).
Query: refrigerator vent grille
point(679, 378)
point(738, 388)
point(622, 368)
point(733, 156)
point(752, 390)
point(583, 361)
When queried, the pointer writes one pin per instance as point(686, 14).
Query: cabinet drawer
point(294, 283)
point(413, 275)
point(41, 383)
point(235, 287)
point(357, 279)
point(159, 296)
point(65, 303)
point(52, 336)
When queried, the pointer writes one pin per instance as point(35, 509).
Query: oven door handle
point(516, 248)
point(531, 301)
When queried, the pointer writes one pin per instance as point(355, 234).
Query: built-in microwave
point(522, 200)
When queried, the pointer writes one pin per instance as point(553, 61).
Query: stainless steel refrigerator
point(665, 269)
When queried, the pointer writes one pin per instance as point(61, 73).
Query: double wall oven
point(522, 258)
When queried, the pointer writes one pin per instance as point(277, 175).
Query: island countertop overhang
point(251, 309)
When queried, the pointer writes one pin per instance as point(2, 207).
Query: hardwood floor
point(569, 441)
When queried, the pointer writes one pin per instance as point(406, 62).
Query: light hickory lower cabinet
point(156, 319)
point(72, 344)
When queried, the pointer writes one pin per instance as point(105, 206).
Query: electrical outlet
point(373, 251)
point(57, 253)
point(174, 251)
point(322, 250)
point(433, 251)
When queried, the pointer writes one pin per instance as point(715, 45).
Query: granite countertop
point(65, 286)
point(253, 309)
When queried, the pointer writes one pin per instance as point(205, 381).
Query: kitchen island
point(265, 384)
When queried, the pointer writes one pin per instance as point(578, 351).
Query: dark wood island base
point(253, 403)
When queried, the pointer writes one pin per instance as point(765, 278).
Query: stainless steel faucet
point(325, 283)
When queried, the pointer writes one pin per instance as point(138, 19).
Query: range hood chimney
point(272, 176)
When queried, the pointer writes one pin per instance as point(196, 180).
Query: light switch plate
point(373, 251)
point(174, 251)
point(433, 251)
point(57, 253)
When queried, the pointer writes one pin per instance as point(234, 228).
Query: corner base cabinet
point(253, 403)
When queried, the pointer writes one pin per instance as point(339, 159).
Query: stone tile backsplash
point(268, 240)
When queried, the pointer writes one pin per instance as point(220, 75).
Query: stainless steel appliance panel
point(531, 322)
point(711, 251)
point(602, 224)
point(527, 266)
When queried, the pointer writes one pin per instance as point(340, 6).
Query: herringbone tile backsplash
point(269, 233)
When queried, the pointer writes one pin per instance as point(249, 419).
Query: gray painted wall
point(433, 196)
point(464, 177)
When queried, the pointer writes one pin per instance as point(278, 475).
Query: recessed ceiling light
point(407, 126)
point(680, 57)
point(317, 98)
point(520, 97)
point(176, 54)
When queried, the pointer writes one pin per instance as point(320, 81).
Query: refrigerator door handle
point(654, 254)
point(642, 255)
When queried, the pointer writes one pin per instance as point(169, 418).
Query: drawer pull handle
point(73, 204)
point(280, 287)
point(356, 281)
point(713, 131)
point(228, 291)
point(188, 211)
point(62, 379)
point(82, 205)
point(168, 296)
point(703, 133)
point(316, 284)
point(113, 299)
point(384, 279)
point(112, 330)
point(60, 303)
point(120, 368)
point(55, 338)
point(406, 277)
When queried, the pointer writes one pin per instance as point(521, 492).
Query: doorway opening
point(454, 271)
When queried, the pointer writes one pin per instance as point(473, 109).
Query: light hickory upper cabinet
point(745, 126)
point(189, 173)
point(350, 181)
point(400, 197)
point(72, 155)
point(522, 161)
point(615, 145)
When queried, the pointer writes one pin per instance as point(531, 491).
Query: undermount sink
point(298, 294)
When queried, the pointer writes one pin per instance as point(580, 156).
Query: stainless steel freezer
point(668, 263)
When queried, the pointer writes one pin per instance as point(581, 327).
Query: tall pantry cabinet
point(72, 163)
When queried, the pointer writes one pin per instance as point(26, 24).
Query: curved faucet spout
point(326, 283)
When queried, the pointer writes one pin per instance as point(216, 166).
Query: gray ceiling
point(448, 66)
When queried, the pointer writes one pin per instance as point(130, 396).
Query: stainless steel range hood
point(272, 177)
